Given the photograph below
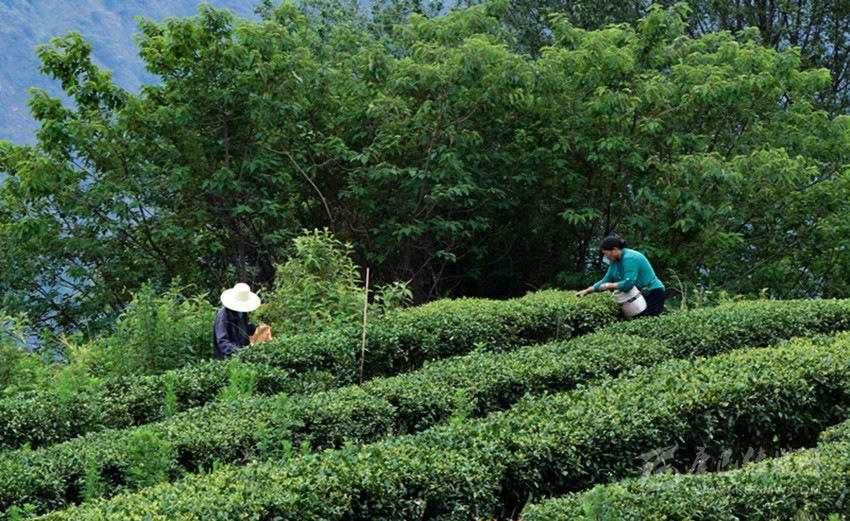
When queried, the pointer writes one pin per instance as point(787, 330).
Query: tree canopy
point(446, 155)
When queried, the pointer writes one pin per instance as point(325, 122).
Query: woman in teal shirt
point(628, 268)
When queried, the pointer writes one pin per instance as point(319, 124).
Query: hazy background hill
point(110, 25)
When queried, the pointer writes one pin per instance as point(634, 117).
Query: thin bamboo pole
point(363, 343)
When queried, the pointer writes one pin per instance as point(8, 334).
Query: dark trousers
point(654, 303)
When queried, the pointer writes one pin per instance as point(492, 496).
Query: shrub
point(401, 341)
point(39, 418)
point(705, 332)
point(405, 339)
point(149, 459)
point(155, 333)
point(805, 484)
point(21, 369)
point(319, 287)
point(452, 389)
point(241, 381)
point(837, 433)
point(545, 445)
point(449, 389)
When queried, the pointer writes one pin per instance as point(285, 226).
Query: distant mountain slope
point(110, 25)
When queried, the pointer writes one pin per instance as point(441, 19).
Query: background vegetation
point(450, 149)
point(449, 154)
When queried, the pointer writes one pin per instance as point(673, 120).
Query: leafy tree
point(443, 154)
point(421, 153)
point(173, 182)
point(707, 151)
point(818, 28)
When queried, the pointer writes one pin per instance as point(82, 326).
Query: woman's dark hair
point(611, 242)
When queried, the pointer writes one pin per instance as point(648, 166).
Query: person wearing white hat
point(232, 329)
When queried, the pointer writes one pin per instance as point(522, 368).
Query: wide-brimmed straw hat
point(240, 298)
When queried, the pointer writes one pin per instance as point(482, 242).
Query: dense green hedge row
point(706, 332)
point(52, 477)
point(45, 417)
point(837, 433)
point(495, 382)
point(476, 384)
point(773, 397)
point(406, 339)
point(396, 342)
point(805, 484)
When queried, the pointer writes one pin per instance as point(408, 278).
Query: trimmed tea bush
point(704, 332)
point(543, 446)
point(42, 418)
point(480, 382)
point(397, 342)
point(806, 484)
point(405, 339)
point(52, 477)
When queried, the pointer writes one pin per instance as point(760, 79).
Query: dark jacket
point(232, 332)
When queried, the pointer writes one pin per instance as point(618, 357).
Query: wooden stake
point(363, 343)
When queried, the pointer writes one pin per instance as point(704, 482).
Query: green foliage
point(303, 363)
point(45, 417)
point(813, 33)
point(392, 296)
point(705, 332)
point(433, 154)
point(405, 339)
point(274, 427)
point(805, 484)
point(441, 154)
point(170, 404)
point(147, 195)
point(544, 445)
point(452, 391)
point(462, 407)
point(17, 513)
point(813, 30)
point(318, 286)
point(273, 438)
point(241, 381)
point(93, 486)
point(20, 368)
point(71, 381)
point(155, 333)
point(149, 458)
point(669, 124)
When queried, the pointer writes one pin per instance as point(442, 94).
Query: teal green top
point(632, 269)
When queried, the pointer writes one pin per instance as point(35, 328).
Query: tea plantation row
point(52, 477)
point(543, 446)
point(307, 363)
point(805, 484)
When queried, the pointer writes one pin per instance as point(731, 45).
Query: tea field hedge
point(777, 398)
point(41, 418)
point(304, 363)
point(406, 339)
point(804, 484)
point(474, 385)
point(704, 332)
